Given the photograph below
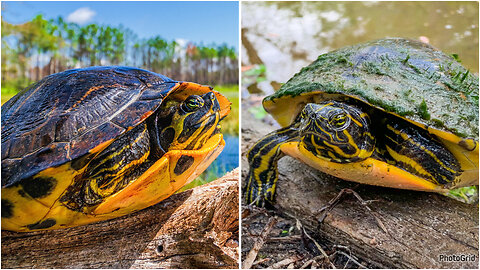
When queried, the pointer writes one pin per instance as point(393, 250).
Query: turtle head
point(336, 132)
point(187, 124)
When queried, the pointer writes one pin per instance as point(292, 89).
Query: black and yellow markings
point(339, 120)
point(45, 224)
point(263, 158)
point(419, 153)
point(119, 152)
point(37, 187)
point(192, 123)
point(331, 130)
point(82, 161)
point(121, 158)
point(337, 132)
point(7, 208)
point(204, 131)
point(108, 172)
point(183, 163)
point(468, 144)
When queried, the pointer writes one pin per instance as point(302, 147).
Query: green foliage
point(258, 112)
point(230, 125)
point(466, 194)
point(68, 45)
point(254, 75)
point(8, 93)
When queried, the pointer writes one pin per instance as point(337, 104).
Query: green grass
point(230, 125)
point(8, 93)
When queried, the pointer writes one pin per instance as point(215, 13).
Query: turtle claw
point(262, 202)
point(257, 195)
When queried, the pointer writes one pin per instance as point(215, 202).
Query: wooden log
point(197, 228)
point(422, 228)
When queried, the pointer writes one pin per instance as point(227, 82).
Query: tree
point(41, 47)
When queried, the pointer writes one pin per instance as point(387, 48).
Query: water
point(286, 36)
point(227, 160)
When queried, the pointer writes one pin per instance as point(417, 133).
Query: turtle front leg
point(263, 172)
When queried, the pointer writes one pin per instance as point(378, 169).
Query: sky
point(200, 22)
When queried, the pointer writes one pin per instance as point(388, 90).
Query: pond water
point(227, 160)
point(286, 36)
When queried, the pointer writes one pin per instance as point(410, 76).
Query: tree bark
point(197, 228)
point(421, 227)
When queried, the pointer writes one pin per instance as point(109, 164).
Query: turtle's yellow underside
point(153, 186)
point(373, 172)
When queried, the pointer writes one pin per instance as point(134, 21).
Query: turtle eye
point(339, 121)
point(192, 103)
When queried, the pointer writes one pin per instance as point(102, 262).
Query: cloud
point(81, 15)
point(181, 41)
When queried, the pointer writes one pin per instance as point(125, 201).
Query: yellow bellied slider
point(391, 112)
point(91, 144)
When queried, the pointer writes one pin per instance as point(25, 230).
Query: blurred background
point(186, 41)
point(279, 38)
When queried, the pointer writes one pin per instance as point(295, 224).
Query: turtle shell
point(68, 115)
point(403, 77)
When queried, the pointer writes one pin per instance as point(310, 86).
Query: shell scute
point(129, 116)
point(104, 133)
point(16, 169)
point(65, 115)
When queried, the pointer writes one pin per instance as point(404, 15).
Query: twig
point(252, 254)
point(350, 258)
point(250, 211)
point(300, 228)
point(285, 238)
point(285, 262)
point(332, 203)
point(309, 262)
point(261, 261)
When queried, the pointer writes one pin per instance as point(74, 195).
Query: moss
point(423, 110)
point(373, 68)
point(455, 56)
point(438, 123)
point(401, 77)
point(417, 70)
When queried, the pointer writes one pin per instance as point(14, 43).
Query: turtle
point(90, 144)
point(392, 112)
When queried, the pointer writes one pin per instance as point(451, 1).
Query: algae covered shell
point(404, 77)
